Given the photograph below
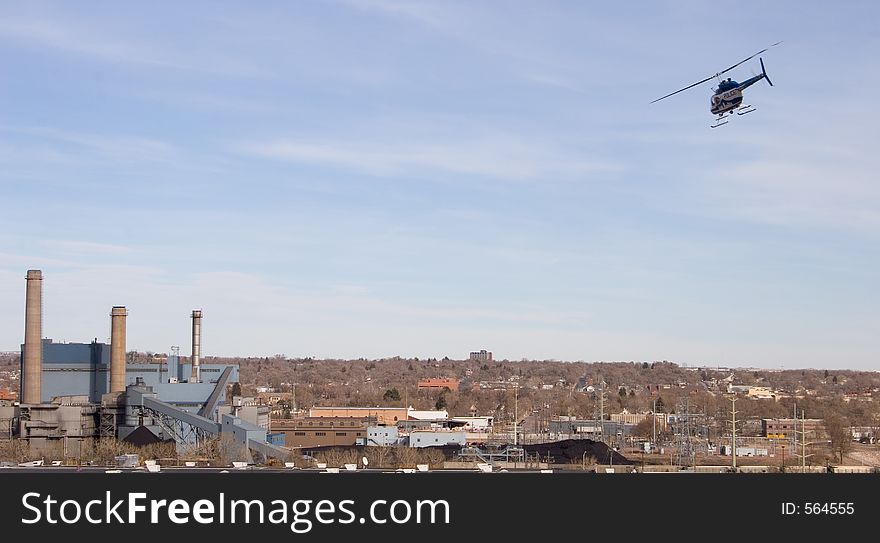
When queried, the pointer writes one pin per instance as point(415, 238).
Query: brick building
point(439, 383)
point(321, 432)
point(785, 428)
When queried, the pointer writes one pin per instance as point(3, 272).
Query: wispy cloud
point(436, 15)
point(799, 178)
point(99, 43)
point(18, 261)
point(107, 147)
point(500, 38)
point(555, 80)
point(195, 100)
point(500, 157)
point(783, 192)
point(76, 247)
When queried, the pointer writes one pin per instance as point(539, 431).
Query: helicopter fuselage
point(729, 94)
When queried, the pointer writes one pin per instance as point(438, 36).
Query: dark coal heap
point(572, 450)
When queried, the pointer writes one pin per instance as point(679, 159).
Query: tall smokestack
point(117, 348)
point(195, 377)
point(32, 373)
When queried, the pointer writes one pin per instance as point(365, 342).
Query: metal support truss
point(107, 423)
point(182, 432)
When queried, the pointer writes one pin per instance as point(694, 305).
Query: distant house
point(761, 393)
point(758, 393)
point(272, 398)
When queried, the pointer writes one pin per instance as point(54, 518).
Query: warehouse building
point(321, 431)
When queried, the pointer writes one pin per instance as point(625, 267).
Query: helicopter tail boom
point(765, 72)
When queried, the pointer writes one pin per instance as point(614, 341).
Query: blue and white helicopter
point(728, 95)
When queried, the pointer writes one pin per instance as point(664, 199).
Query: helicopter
point(728, 95)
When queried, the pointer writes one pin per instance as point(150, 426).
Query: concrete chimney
point(32, 371)
point(117, 348)
point(196, 376)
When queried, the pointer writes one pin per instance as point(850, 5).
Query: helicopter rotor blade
point(749, 58)
point(715, 75)
point(684, 89)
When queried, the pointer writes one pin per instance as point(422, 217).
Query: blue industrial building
point(83, 369)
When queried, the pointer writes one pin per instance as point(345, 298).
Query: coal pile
point(142, 436)
point(569, 450)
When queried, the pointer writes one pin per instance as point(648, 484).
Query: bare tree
point(840, 434)
point(645, 428)
point(14, 450)
point(379, 457)
point(231, 451)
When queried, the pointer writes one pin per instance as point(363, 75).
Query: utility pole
point(733, 445)
point(804, 443)
point(654, 414)
point(602, 408)
point(783, 458)
point(515, 411)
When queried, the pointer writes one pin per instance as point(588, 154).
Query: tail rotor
point(765, 71)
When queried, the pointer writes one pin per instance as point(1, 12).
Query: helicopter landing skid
point(743, 110)
point(721, 121)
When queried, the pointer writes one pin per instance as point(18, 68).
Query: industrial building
point(247, 409)
point(322, 431)
point(786, 428)
point(385, 436)
point(436, 438)
point(430, 429)
point(587, 428)
point(77, 392)
point(382, 415)
point(83, 369)
point(346, 426)
point(625, 417)
point(417, 433)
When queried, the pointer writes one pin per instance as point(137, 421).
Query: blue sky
point(376, 178)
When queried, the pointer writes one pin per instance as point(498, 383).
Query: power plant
point(87, 391)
